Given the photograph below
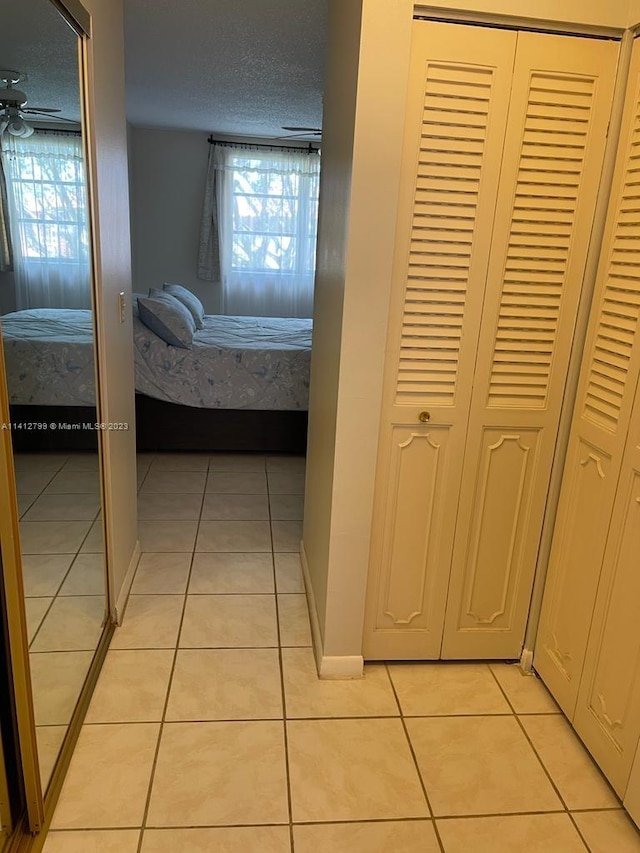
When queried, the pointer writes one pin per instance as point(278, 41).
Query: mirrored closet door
point(47, 323)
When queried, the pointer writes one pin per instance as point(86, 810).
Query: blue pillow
point(189, 300)
point(167, 317)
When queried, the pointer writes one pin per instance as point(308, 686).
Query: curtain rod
point(251, 145)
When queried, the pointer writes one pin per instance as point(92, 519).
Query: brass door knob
point(424, 417)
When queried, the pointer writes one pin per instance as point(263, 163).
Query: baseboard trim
point(328, 666)
point(121, 604)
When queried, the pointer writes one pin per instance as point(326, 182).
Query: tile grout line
point(281, 666)
point(540, 761)
point(415, 761)
point(166, 701)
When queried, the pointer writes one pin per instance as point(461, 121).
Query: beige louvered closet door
point(556, 134)
point(457, 107)
point(592, 471)
point(504, 143)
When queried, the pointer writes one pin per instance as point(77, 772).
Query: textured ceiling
point(35, 40)
point(227, 66)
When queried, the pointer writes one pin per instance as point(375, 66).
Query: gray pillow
point(167, 317)
point(189, 300)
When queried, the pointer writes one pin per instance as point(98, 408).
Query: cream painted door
point(607, 714)
point(487, 279)
point(598, 436)
point(560, 106)
point(457, 106)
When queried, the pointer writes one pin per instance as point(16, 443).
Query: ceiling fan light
point(18, 127)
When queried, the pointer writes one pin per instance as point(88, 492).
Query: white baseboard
point(526, 660)
point(123, 597)
point(329, 666)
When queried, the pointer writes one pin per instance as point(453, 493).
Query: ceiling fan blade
point(40, 110)
point(296, 128)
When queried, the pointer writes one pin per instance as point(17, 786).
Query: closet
point(505, 134)
point(588, 646)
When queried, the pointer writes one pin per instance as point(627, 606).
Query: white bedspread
point(234, 363)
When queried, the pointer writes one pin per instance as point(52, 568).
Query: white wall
point(169, 169)
point(364, 110)
point(108, 142)
point(634, 13)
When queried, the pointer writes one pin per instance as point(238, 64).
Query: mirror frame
point(30, 833)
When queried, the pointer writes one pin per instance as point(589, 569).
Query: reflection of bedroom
point(223, 207)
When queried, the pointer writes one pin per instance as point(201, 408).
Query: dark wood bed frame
point(163, 426)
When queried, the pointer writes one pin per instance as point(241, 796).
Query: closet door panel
point(556, 136)
point(457, 104)
point(608, 709)
point(605, 396)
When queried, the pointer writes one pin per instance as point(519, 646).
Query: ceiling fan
point(13, 106)
point(295, 131)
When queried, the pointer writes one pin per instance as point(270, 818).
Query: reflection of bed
point(242, 385)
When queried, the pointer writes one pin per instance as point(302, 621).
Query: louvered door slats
point(454, 127)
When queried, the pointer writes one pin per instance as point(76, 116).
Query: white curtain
point(267, 220)
point(48, 219)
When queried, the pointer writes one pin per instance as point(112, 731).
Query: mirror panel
point(46, 316)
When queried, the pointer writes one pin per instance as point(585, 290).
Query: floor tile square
point(108, 778)
point(580, 783)
point(24, 502)
point(286, 535)
point(163, 536)
point(168, 506)
point(150, 622)
point(52, 537)
point(479, 765)
point(235, 507)
point(210, 774)
point(444, 688)
point(526, 693)
point(247, 463)
point(82, 462)
point(64, 508)
point(225, 684)
point(224, 621)
point(162, 574)
point(232, 573)
point(286, 465)
point(288, 573)
point(48, 462)
point(606, 831)
point(239, 839)
point(409, 836)
point(93, 841)
point(74, 482)
point(56, 682)
point(181, 462)
point(132, 686)
point(287, 507)
point(293, 617)
point(178, 482)
point(234, 536)
point(73, 623)
point(87, 576)
point(237, 483)
point(307, 695)
point(546, 833)
point(43, 574)
point(352, 770)
point(286, 482)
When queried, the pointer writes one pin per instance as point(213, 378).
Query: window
point(48, 220)
point(267, 215)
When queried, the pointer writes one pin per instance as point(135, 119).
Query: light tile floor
point(210, 731)
point(63, 573)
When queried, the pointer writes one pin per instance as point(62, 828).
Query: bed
point(243, 384)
